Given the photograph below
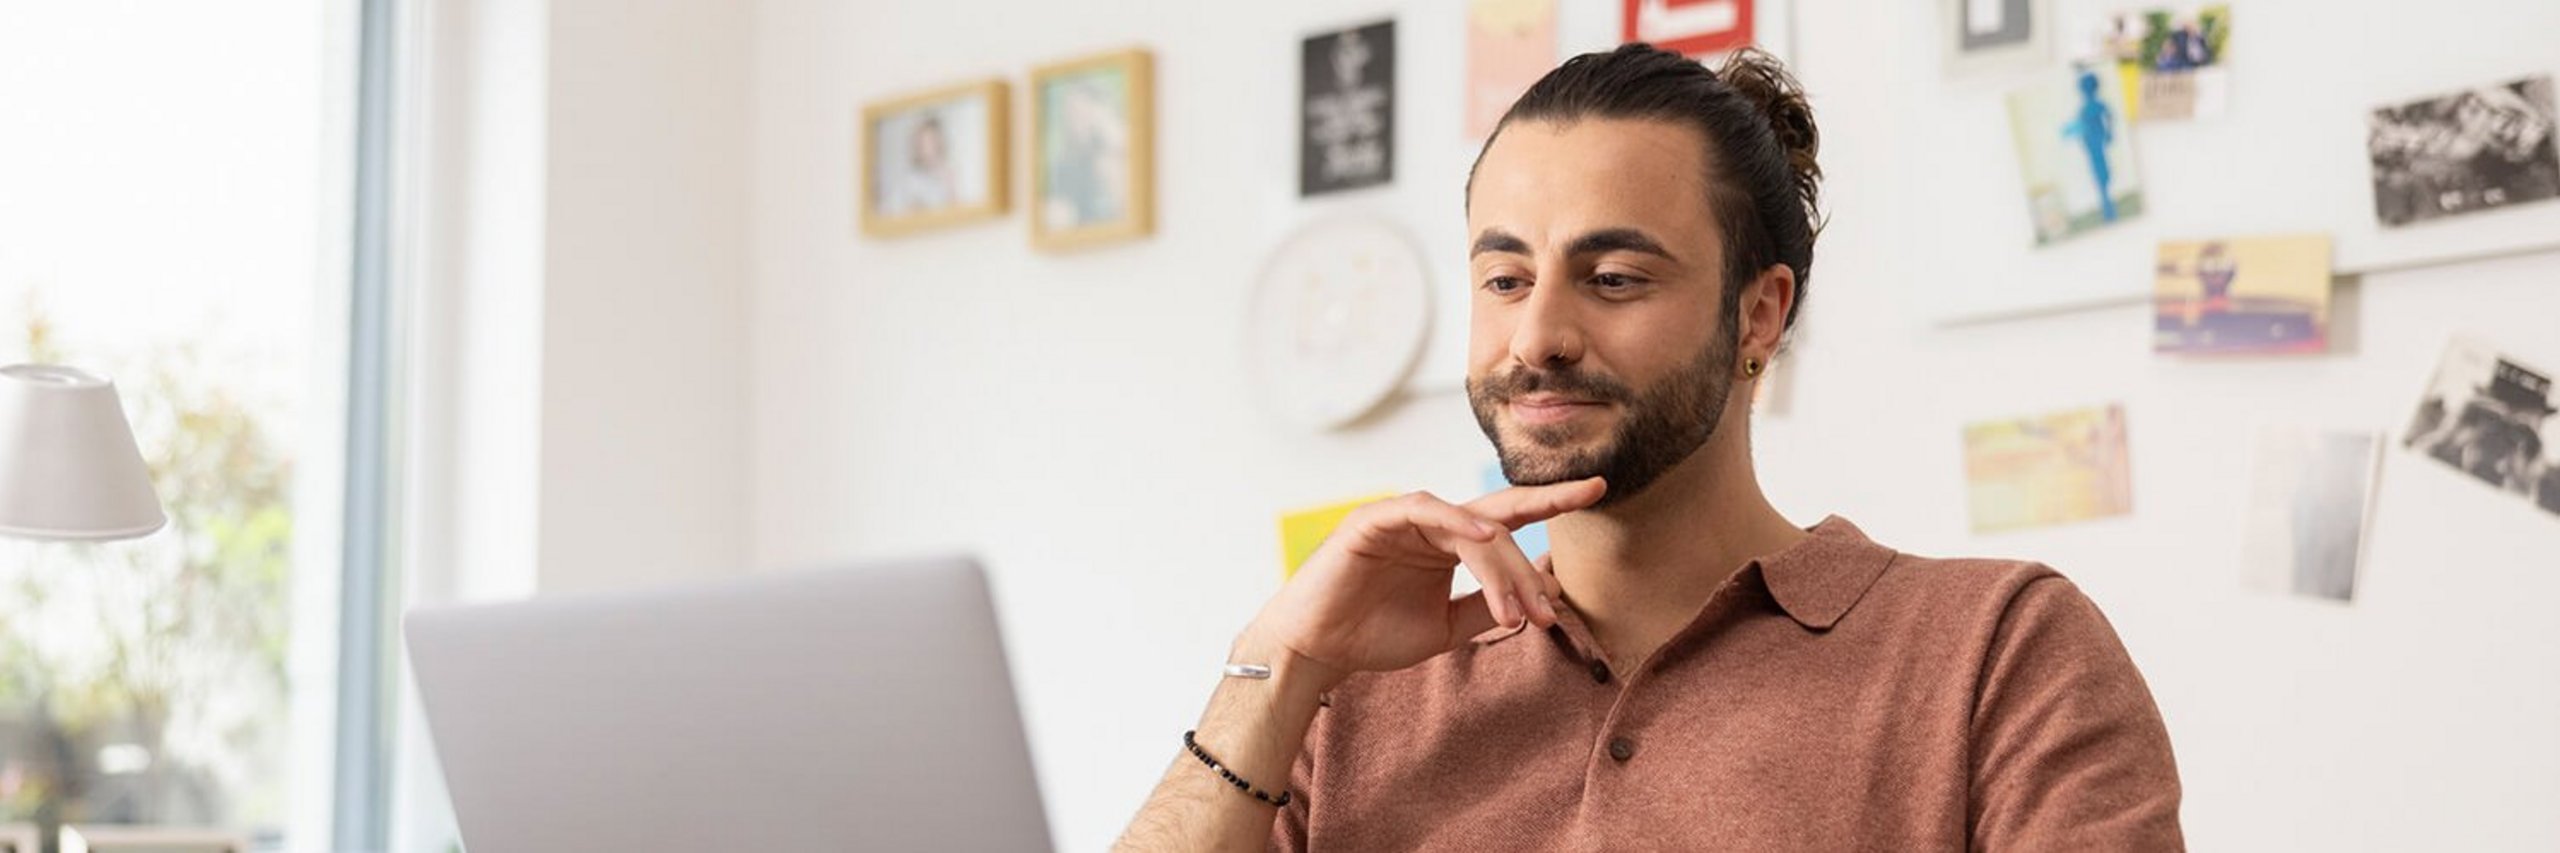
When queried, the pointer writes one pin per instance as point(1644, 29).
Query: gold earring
point(1751, 367)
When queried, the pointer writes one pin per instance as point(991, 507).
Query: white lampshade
point(68, 466)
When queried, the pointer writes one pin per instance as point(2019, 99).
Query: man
point(1691, 671)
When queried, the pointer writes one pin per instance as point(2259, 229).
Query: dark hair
point(1762, 180)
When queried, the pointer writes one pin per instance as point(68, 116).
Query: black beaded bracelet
point(1232, 779)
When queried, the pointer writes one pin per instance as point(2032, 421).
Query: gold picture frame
point(935, 158)
point(1093, 150)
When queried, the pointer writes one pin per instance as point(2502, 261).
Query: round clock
point(1338, 320)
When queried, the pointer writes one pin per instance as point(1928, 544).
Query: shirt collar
point(1816, 581)
point(1820, 577)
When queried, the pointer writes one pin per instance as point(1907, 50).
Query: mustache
point(1519, 382)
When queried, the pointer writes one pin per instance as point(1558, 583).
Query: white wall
point(575, 252)
point(1083, 421)
point(643, 343)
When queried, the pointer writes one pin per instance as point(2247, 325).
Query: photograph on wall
point(1993, 36)
point(1510, 44)
point(2465, 152)
point(2242, 295)
point(1347, 109)
point(2310, 496)
point(2075, 151)
point(2048, 469)
point(1691, 27)
point(1092, 150)
point(934, 158)
point(2169, 62)
point(2490, 416)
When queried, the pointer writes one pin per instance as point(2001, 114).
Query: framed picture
point(934, 158)
point(1093, 150)
point(1347, 109)
point(1995, 36)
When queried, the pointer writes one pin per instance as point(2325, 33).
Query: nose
point(1548, 334)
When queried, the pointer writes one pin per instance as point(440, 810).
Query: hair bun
point(1763, 80)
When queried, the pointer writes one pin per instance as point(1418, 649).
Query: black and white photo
point(1347, 111)
point(2473, 150)
point(2310, 493)
point(2491, 417)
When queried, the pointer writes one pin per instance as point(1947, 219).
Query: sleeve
point(2069, 752)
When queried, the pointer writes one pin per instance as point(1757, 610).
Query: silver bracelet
point(1248, 670)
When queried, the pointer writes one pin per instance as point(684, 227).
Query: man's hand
point(1375, 596)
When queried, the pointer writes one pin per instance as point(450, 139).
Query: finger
point(1520, 506)
point(1440, 523)
point(1546, 566)
point(1503, 570)
point(1537, 590)
point(1469, 616)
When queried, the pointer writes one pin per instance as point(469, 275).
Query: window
point(171, 202)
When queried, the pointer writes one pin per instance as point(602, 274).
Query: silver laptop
point(865, 708)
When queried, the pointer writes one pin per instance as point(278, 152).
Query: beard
point(1661, 426)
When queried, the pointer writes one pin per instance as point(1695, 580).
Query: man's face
point(1600, 345)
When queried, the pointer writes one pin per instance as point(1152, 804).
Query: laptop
point(862, 708)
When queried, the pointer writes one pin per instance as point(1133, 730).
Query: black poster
point(1347, 111)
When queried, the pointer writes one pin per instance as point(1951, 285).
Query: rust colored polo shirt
point(1836, 696)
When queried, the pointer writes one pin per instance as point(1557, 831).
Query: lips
point(1551, 408)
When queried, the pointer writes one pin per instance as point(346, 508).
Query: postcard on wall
point(1510, 44)
point(2242, 295)
point(1347, 109)
point(1304, 530)
point(1093, 150)
point(2490, 416)
point(2049, 469)
point(2075, 151)
point(2464, 152)
point(934, 158)
point(2169, 62)
point(2310, 498)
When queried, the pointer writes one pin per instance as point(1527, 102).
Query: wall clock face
point(1338, 320)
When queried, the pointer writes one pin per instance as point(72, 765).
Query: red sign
point(1688, 27)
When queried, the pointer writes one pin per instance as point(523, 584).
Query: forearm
point(1256, 728)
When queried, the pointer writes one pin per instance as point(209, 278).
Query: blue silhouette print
point(2095, 126)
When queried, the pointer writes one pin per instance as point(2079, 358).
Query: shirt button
point(1600, 671)
point(1622, 749)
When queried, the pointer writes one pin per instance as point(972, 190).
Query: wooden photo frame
point(935, 158)
point(1093, 150)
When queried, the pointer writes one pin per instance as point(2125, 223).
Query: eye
point(1615, 281)
point(1505, 284)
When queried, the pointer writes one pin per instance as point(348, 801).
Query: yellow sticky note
point(1302, 530)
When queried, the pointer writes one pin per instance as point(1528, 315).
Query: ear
point(1762, 317)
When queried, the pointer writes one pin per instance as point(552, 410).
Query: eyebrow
point(1603, 240)
point(1498, 240)
point(1618, 240)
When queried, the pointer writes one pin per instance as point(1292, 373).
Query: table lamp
point(69, 469)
